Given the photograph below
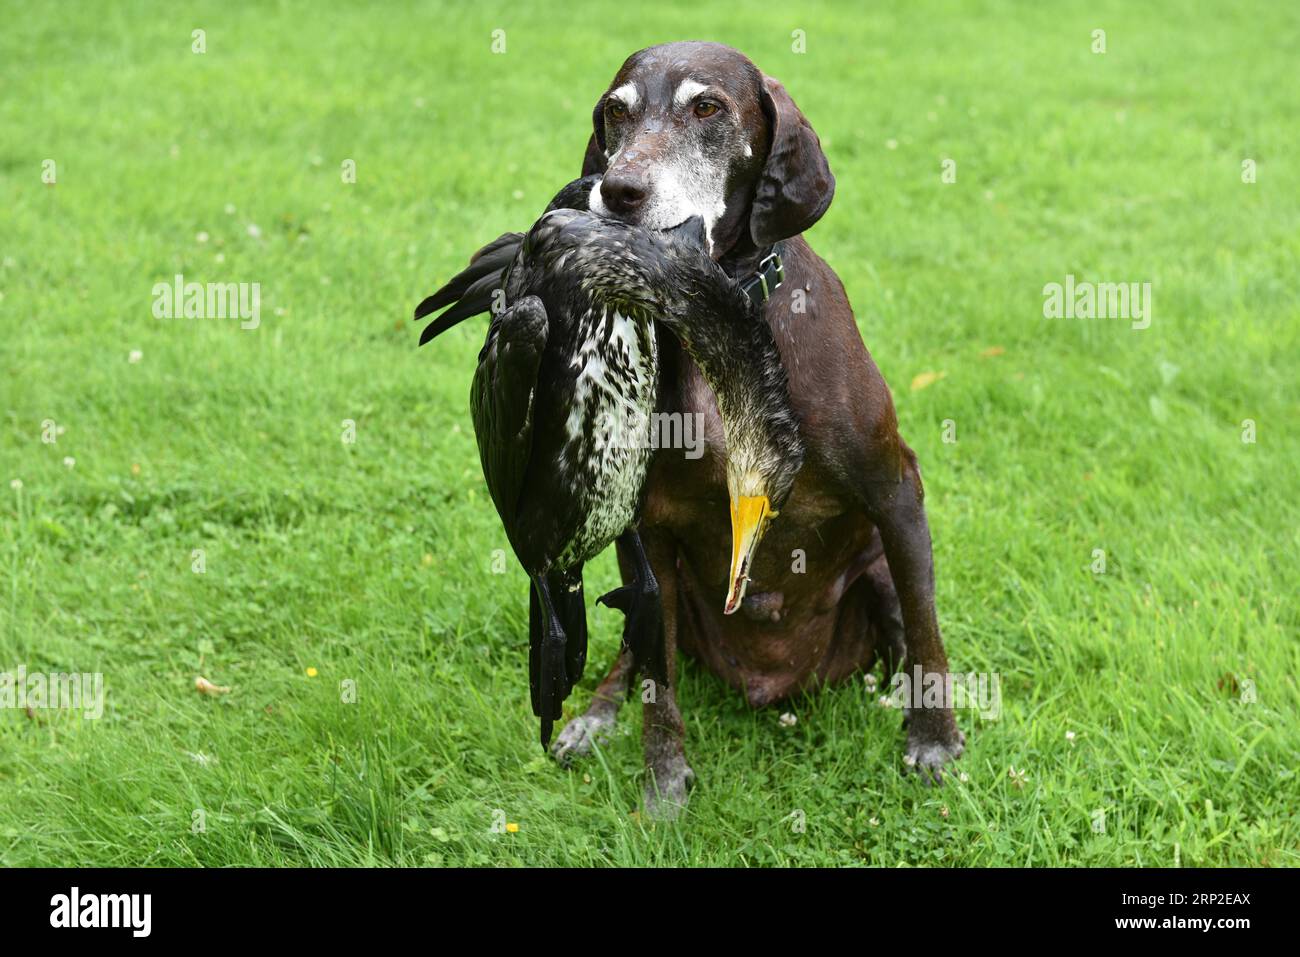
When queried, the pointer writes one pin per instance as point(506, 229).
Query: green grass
point(372, 562)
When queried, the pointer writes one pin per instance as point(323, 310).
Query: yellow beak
point(749, 518)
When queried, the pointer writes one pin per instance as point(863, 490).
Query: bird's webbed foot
point(643, 629)
point(550, 678)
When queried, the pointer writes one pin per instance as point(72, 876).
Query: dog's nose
point(623, 192)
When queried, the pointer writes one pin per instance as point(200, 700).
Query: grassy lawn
point(1162, 691)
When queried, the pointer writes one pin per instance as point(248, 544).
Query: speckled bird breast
point(612, 377)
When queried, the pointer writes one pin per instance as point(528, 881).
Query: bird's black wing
point(501, 401)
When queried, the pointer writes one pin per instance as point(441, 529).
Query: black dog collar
point(767, 279)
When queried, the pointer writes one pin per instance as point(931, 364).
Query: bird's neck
point(735, 350)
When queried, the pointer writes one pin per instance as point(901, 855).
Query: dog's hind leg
point(869, 624)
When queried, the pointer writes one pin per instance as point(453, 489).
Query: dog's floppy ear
point(594, 161)
point(796, 184)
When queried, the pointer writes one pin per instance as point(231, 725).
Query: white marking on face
point(627, 94)
point(688, 90)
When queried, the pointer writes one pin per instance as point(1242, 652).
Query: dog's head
point(695, 129)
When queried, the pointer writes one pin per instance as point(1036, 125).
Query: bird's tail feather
point(470, 290)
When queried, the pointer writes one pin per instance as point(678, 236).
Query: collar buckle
point(767, 279)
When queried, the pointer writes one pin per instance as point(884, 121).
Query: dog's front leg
point(897, 507)
point(668, 777)
point(595, 725)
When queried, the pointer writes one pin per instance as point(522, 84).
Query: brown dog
point(845, 575)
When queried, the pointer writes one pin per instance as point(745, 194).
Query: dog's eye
point(617, 110)
point(706, 108)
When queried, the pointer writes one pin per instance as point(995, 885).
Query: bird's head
point(764, 455)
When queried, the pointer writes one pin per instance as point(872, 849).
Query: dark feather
point(475, 299)
point(493, 257)
point(575, 195)
point(501, 398)
point(472, 289)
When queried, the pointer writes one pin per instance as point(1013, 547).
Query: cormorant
point(570, 352)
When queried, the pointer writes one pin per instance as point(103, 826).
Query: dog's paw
point(668, 790)
point(929, 750)
point(580, 736)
